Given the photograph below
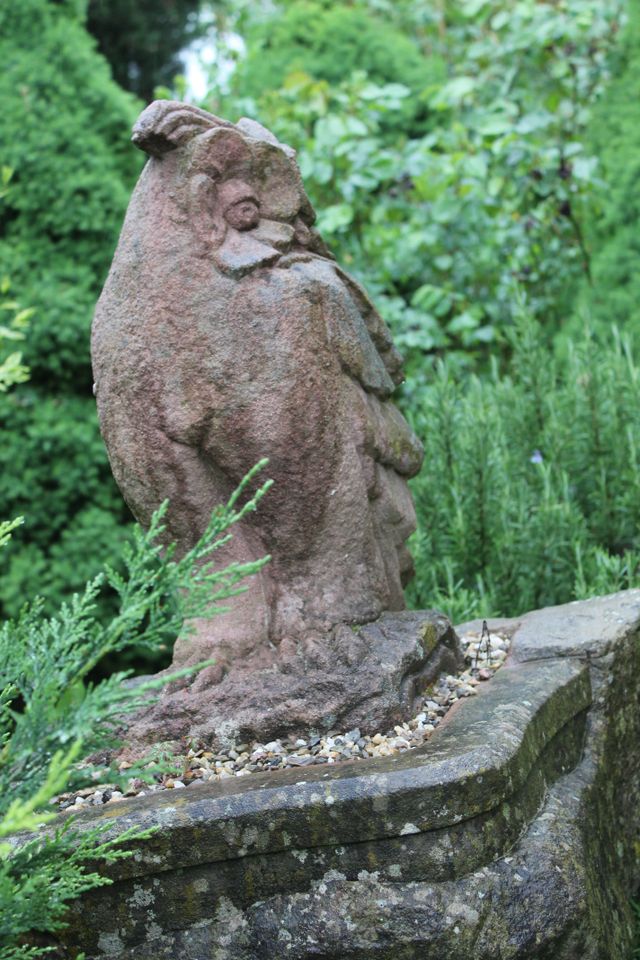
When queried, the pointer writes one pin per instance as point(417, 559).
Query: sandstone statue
point(226, 332)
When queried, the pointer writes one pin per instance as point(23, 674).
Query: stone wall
point(514, 832)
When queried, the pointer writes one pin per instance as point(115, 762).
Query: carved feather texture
point(167, 124)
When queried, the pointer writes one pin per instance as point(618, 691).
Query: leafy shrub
point(443, 225)
point(64, 132)
point(328, 42)
point(14, 320)
point(446, 226)
point(613, 134)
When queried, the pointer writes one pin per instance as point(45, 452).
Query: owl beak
point(240, 253)
point(275, 234)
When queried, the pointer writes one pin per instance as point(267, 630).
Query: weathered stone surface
point(225, 333)
point(586, 628)
point(369, 677)
point(185, 895)
point(484, 751)
point(489, 843)
point(524, 905)
point(435, 813)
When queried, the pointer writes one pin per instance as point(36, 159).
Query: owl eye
point(243, 215)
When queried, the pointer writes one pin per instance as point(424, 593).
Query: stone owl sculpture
point(226, 332)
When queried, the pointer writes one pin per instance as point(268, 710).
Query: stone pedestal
point(370, 676)
point(513, 833)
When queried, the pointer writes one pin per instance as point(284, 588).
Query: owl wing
point(368, 356)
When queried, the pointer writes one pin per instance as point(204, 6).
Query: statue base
point(371, 676)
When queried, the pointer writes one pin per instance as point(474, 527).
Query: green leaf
point(493, 125)
point(500, 20)
point(427, 297)
point(534, 121)
point(6, 527)
point(471, 8)
point(335, 218)
point(485, 334)
point(584, 168)
point(463, 322)
point(453, 93)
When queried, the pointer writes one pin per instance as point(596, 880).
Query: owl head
point(240, 187)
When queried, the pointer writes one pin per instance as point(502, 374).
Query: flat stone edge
point(482, 755)
point(583, 628)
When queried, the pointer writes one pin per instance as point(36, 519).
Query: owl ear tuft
point(167, 124)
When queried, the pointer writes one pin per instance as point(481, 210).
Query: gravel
point(484, 654)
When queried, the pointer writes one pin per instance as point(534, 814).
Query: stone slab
point(460, 801)
point(512, 835)
point(560, 892)
point(514, 907)
point(584, 628)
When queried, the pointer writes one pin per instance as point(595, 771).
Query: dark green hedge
point(64, 131)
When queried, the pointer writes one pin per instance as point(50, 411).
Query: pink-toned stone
point(370, 677)
point(225, 333)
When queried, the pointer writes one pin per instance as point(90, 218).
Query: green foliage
point(328, 42)
point(142, 40)
point(64, 131)
point(529, 493)
point(446, 225)
point(443, 227)
point(614, 135)
point(14, 320)
point(51, 714)
point(54, 473)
